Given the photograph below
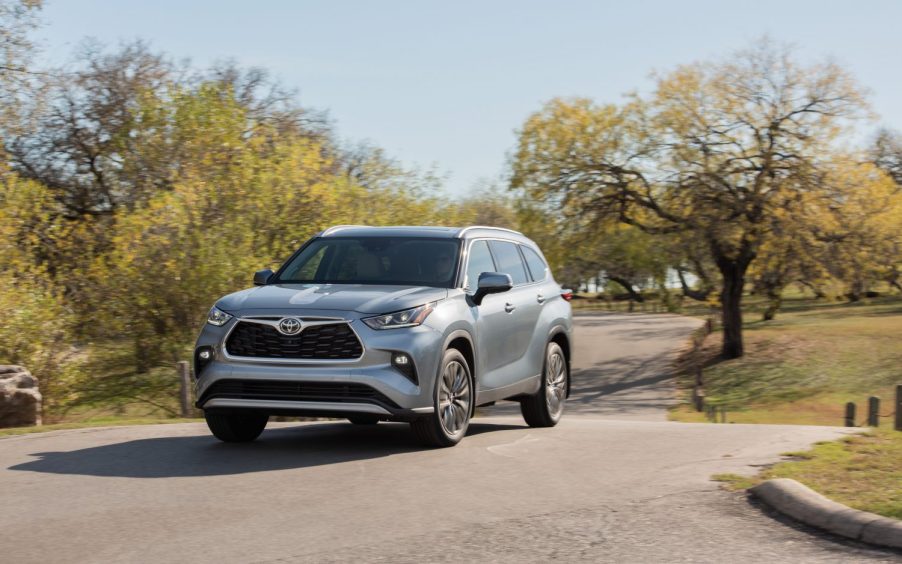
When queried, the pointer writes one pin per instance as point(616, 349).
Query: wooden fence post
point(898, 424)
point(184, 372)
point(850, 414)
point(873, 411)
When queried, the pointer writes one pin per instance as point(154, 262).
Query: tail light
point(567, 294)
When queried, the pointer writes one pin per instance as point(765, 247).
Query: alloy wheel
point(454, 398)
point(555, 382)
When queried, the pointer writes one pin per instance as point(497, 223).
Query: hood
point(364, 298)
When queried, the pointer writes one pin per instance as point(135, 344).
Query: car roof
point(470, 232)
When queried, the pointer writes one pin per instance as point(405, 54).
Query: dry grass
point(803, 367)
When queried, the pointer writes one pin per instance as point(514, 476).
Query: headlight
point(405, 318)
point(218, 317)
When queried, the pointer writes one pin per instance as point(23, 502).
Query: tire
point(236, 427)
point(453, 401)
point(363, 419)
point(545, 407)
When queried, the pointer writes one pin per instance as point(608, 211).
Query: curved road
point(613, 482)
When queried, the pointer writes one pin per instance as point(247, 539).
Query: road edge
point(811, 508)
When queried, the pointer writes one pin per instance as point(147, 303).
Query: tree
point(720, 151)
point(99, 146)
point(887, 153)
point(81, 135)
point(488, 204)
point(17, 19)
point(863, 235)
point(28, 296)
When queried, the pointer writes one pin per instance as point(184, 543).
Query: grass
point(861, 471)
point(110, 421)
point(592, 302)
point(804, 366)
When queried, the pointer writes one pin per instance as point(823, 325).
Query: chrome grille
point(333, 341)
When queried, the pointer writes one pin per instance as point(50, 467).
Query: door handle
point(540, 298)
point(509, 307)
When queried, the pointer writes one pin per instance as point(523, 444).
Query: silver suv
point(415, 324)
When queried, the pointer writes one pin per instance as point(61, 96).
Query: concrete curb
point(806, 505)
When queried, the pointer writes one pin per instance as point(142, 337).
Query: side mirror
point(261, 277)
point(491, 283)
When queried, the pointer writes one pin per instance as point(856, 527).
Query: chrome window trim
point(313, 321)
point(463, 280)
point(463, 231)
point(335, 228)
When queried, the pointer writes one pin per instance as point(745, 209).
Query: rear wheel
point(236, 427)
point(363, 419)
point(545, 407)
point(453, 401)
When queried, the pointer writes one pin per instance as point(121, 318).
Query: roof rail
point(465, 229)
point(335, 228)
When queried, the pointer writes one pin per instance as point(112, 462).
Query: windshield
point(402, 261)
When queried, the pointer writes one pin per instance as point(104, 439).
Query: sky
point(446, 84)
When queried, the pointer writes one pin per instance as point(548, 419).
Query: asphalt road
point(613, 482)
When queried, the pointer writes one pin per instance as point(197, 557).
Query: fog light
point(404, 364)
point(202, 357)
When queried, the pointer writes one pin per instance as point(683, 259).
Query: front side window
point(403, 261)
point(509, 262)
point(479, 261)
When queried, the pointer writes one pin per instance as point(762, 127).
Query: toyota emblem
point(290, 326)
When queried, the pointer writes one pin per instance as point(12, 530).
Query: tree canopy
point(732, 153)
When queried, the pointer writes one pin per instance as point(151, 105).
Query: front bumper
point(324, 389)
point(312, 408)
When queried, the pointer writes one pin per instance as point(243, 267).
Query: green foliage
point(738, 157)
point(37, 333)
point(38, 325)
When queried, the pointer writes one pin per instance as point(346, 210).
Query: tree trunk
point(733, 272)
point(697, 295)
point(893, 278)
point(774, 301)
point(855, 291)
point(634, 295)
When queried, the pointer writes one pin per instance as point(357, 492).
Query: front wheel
point(452, 399)
point(236, 427)
point(545, 407)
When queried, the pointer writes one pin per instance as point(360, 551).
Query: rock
point(20, 400)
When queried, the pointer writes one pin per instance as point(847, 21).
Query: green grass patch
point(861, 471)
point(804, 366)
point(735, 482)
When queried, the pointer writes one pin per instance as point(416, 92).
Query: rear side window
point(479, 261)
point(537, 267)
point(509, 262)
